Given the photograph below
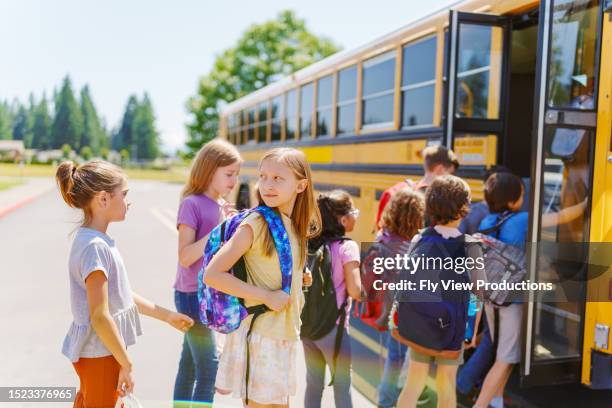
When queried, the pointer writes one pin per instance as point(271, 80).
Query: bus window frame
point(339, 104)
point(434, 81)
point(597, 62)
point(365, 64)
point(329, 107)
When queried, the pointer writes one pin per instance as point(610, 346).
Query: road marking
point(164, 220)
point(170, 213)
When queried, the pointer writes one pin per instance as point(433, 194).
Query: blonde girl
point(104, 308)
point(284, 185)
point(213, 175)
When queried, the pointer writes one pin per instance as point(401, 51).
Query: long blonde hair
point(79, 184)
point(305, 217)
point(214, 154)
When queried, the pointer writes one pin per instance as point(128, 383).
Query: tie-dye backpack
point(222, 312)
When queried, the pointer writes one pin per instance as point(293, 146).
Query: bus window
point(479, 71)
point(306, 108)
point(252, 124)
point(378, 87)
point(230, 128)
point(347, 93)
point(240, 127)
point(573, 53)
point(418, 82)
point(291, 104)
point(263, 123)
point(277, 113)
point(324, 105)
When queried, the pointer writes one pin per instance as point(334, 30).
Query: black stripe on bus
point(411, 134)
point(472, 172)
point(354, 191)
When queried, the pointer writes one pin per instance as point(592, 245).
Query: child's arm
point(217, 275)
point(564, 216)
point(476, 325)
point(352, 277)
point(105, 327)
point(189, 250)
point(174, 319)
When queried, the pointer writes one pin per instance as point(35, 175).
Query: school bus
point(522, 83)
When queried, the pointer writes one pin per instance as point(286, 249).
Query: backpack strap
point(281, 243)
point(338, 340)
point(501, 219)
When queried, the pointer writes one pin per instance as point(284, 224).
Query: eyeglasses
point(354, 212)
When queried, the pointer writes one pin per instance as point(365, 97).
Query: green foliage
point(93, 134)
point(125, 155)
point(68, 121)
point(22, 125)
point(41, 125)
point(66, 150)
point(6, 121)
point(104, 153)
point(263, 54)
point(137, 133)
point(86, 152)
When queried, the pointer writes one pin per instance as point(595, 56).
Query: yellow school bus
point(522, 83)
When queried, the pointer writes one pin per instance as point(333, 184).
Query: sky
point(131, 46)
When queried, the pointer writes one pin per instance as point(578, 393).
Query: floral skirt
point(272, 374)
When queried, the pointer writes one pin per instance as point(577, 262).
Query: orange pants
point(98, 382)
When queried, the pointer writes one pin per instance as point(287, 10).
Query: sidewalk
point(18, 196)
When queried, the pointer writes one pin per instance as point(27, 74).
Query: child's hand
point(277, 300)
point(307, 278)
point(180, 321)
point(125, 384)
point(228, 209)
point(471, 344)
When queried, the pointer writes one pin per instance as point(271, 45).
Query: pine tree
point(146, 138)
point(68, 121)
point(92, 134)
point(41, 126)
point(123, 138)
point(6, 121)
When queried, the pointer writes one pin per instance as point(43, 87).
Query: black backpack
point(321, 311)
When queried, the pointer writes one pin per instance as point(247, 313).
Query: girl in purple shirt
point(214, 174)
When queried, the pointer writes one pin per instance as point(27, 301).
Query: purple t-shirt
point(202, 214)
point(342, 252)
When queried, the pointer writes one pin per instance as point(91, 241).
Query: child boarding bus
point(521, 83)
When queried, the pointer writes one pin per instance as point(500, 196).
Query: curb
point(20, 203)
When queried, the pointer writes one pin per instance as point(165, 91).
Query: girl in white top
point(104, 308)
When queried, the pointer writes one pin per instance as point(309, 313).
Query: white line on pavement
point(164, 220)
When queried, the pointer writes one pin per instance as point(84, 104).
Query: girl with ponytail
point(104, 308)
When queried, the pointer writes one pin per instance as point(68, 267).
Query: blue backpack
point(222, 312)
point(433, 322)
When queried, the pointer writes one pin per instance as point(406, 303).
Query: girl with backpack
point(268, 352)
point(104, 308)
point(401, 220)
point(213, 175)
point(334, 263)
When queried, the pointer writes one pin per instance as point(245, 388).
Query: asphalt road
point(35, 303)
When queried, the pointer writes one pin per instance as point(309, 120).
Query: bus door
point(478, 50)
point(562, 188)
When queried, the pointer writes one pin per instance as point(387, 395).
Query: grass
point(173, 175)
